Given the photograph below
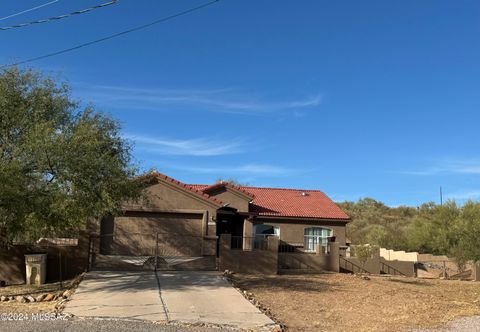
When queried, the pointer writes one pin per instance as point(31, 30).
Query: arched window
point(314, 236)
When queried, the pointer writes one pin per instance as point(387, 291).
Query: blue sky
point(356, 98)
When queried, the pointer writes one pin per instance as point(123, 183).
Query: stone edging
point(61, 297)
point(279, 327)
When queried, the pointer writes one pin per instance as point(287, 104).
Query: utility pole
point(441, 196)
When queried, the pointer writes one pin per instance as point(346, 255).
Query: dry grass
point(41, 307)
point(343, 302)
point(34, 289)
point(27, 308)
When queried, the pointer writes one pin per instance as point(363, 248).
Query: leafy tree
point(365, 252)
point(59, 165)
point(446, 229)
point(375, 223)
point(433, 230)
point(233, 181)
point(468, 233)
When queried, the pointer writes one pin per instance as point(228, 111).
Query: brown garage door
point(139, 239)
point(140, 233)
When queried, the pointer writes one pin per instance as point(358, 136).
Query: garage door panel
point(137, 235)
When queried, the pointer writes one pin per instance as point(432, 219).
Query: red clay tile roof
point(281, 202)
point(191, 188)
point(227, 184)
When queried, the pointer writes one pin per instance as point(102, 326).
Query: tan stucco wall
point(182, 220)
point(228, 195)
point(317, 262)
point(292, 231)
point(248, 261)
point(391, 255)
point(405, 267)
point(476, 271)
point(167, 197)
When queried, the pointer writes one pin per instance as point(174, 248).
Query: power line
point(29, 10)
point(59, 17)
point(140, 27)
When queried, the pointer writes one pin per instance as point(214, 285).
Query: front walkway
point(183, 297)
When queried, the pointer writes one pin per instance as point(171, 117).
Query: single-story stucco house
point(178, 219)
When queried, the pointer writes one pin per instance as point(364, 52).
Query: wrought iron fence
point(249, 243)
point(286, 247)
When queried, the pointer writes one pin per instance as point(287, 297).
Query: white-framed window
point(314, 236)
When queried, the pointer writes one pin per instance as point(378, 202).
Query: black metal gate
point(140, 251)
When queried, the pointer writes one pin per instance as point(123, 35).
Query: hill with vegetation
point(448, 229)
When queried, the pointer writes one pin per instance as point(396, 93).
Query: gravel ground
point(466, 324)
point(342, 302)
point(97, 325)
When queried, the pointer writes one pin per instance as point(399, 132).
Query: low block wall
point(371, 266)
point(407, 268)
point(315, 262)
point(12, 265)
point(432, 258)
point(476, 271)
point(248, 261)
point(400, 255)
point(74, 261)
point(209, 246)
point(379, 265)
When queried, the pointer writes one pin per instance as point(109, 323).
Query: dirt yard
point(343, 302)
point(34, 307)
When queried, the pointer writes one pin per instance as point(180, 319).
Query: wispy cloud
point(467, 167)
point(214, 100)
point(336, 197)
point(200, 147)
point(423, 172)
point(235, 170)
point(473, 194)
point(469, 170)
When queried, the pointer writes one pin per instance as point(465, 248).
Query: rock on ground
point(465, 324)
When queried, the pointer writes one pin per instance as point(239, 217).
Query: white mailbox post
point(36, 268)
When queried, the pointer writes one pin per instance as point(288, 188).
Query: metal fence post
point(89, 260)
point(156, 251)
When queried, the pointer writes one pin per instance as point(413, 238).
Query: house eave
point(311, 219)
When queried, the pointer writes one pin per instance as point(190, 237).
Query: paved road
point(466, 324)
point(183, 297)
point(97, 325)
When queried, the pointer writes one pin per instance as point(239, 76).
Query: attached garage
point(171, 227)
point(137, 234)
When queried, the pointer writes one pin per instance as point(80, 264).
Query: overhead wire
point(28, 10)
point(115, 35)
point(59, 17)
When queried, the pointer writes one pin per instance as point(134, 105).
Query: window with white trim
point(314, 236)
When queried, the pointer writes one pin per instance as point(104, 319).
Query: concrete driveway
point(126, 295)
point(206, 297)
point(184, 297)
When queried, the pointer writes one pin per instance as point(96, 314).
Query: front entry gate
point(141, 251)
